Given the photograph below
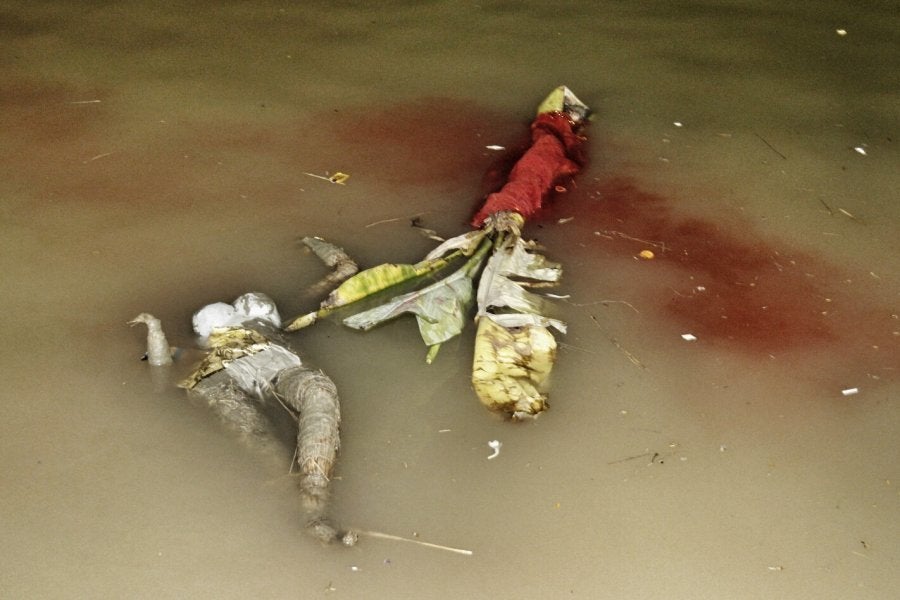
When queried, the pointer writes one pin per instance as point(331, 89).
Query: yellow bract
point(511, 367)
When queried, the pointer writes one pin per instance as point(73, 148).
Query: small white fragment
point(354, 568)
point(841, 32)
point(700, 288)
point(689, 337)
point(850, 391)
point(860, 150)
point(495, 147)
point(495, 445)
point(678, 124)
point(723, 448)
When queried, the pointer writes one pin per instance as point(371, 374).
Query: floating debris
point(338, 178)
point(495, 445)
point(507, 378)
point(334, 257)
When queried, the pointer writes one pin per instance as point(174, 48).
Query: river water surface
point(154, 157)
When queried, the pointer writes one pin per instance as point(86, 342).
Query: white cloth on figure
point(252, 305)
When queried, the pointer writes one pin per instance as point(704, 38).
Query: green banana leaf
point(368, 283)
point(440, 308)
point(374, 280)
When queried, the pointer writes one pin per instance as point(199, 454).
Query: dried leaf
point(497, 289)
point(225, 346)
point(465, 243)
point(513, 320)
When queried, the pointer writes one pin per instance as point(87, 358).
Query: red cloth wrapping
point(556, 151)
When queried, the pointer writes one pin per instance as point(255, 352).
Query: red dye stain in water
point(733, 288)
point(425, 141)
point(738, 289)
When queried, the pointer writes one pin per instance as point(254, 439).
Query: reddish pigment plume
point(425, 141)
point(736, 288)
point(434, 141)
point(753, 295)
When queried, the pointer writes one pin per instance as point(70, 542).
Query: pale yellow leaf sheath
point(511, 367)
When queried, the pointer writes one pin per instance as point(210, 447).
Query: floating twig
point(771, 147)
point(397, 538)
point(338, 178)
point(610, 234)
point(93, 158)
point(631, 357)
point(635, 457)
point(847, 214)
point(412, 219)
point(606, 302)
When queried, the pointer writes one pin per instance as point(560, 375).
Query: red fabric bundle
point(556, 151)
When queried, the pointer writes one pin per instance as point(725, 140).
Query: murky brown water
point(153, 159)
